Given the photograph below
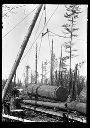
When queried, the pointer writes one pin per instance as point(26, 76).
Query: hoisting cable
point(49, 42)
point(19, 23)
point(41, 31)
point(58, 35)
point(45, 13)
point(47, 22)
point(34, 37)
point(31, 45)
point(47, 32)
point(40, 47)
point(36, 96)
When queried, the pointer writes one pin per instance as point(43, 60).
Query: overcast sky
point(12, 41)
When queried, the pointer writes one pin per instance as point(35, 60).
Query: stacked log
point(77, 106)
point(83, 95)
point(47, 104)
point(52, 92)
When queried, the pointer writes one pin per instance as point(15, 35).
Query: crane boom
point(19, 55)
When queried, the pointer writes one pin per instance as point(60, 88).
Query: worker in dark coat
point(15, 99)
point(15, 107)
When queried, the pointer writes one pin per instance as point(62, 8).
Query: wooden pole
point(51, 73)
point(22, 48)
point(60, 68)
point(27, 68)
point(31, 76)
point(36, 64)
point(76, 80)
point(70, 84)
point(56, 77)
point(45, 63)
point(42, 72)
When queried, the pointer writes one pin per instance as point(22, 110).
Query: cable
point(58, 35)
point(49, 44)
point(38, 26)
point(45, 13)
point(42, 30)
point(34, 37)
point(46, 23)
point(47, 29)
point(18, 23)
point(32, 43)
point(39, 48)
point(42, 36)
point(9, 10)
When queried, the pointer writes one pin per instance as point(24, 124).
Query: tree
point(54, 68)
point(70, 28)
point(44, 72)
point(33, 77)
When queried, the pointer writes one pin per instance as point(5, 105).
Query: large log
point(52, 92)
point(77, 106)
point(83, 95)
point(47, 104)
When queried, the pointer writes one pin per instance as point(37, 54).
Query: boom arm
point(22, 48)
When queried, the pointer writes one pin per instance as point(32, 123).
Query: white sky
point(11, 42)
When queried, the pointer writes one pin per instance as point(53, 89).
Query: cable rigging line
point(43, 28)
point(47, 28)
point(18, 23)
point(39, 48)
point(58, 35)
point(9, 10)
point(46, 23)
point(49, 43)
point(41, 32)
point(34, 37)
point(32, 43)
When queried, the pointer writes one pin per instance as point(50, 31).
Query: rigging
point(18, 23)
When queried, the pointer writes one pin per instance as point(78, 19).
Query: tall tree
point(72, 13)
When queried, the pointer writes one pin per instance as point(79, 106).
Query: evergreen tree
point(70, 28)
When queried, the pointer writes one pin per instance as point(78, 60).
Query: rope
point(39, 47)
point(32, 43)
point(34, 37)
point(42, 29)
point(58, 35)
point(18, 24)
point(40, 33)
point(49, 43)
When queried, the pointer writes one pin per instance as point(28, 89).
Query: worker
point(5, 107)
point(15, 100)
point(15, 107)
